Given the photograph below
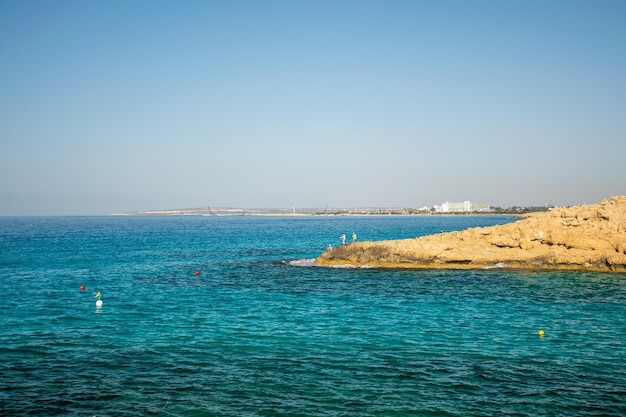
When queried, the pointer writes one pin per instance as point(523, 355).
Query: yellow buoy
point(541, 333)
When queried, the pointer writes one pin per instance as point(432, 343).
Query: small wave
point(301, 262)
point(311, 263)
point(496, 266)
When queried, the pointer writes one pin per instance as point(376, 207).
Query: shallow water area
point(259, 331)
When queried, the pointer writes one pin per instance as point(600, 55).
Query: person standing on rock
point(353, 237)
point(343, 239)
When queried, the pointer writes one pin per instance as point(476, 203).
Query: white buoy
point(99, 303)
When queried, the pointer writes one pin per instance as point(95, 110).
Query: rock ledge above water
point(587, 237)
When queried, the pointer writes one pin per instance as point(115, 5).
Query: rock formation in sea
point(586, 237)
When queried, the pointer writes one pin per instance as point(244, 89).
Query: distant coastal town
point(446, 208)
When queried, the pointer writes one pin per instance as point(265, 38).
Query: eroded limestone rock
point(589, 237)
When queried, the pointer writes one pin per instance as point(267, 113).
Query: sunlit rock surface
point(587, 237)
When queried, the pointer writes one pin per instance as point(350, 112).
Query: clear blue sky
point(110, 106)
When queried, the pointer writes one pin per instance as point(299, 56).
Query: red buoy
point(197, 272)
point(82, 288)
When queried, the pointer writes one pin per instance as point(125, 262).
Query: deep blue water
point(256, 333)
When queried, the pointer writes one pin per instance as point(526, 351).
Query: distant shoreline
point(302, 213)
point(335, 211)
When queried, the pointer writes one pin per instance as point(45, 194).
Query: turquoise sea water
point(260, 332)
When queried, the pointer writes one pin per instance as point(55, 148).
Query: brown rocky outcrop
point(588, 237)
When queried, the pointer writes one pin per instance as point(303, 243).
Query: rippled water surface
point(260, 332)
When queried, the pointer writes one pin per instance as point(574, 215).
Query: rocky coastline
point(586, 237)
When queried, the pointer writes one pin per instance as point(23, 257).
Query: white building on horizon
point(463, 207)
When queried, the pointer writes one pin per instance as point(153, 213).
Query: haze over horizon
point(117, 106)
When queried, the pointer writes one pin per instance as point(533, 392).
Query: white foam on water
point(302, 262)
point(496, 266)
point(311, 263)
